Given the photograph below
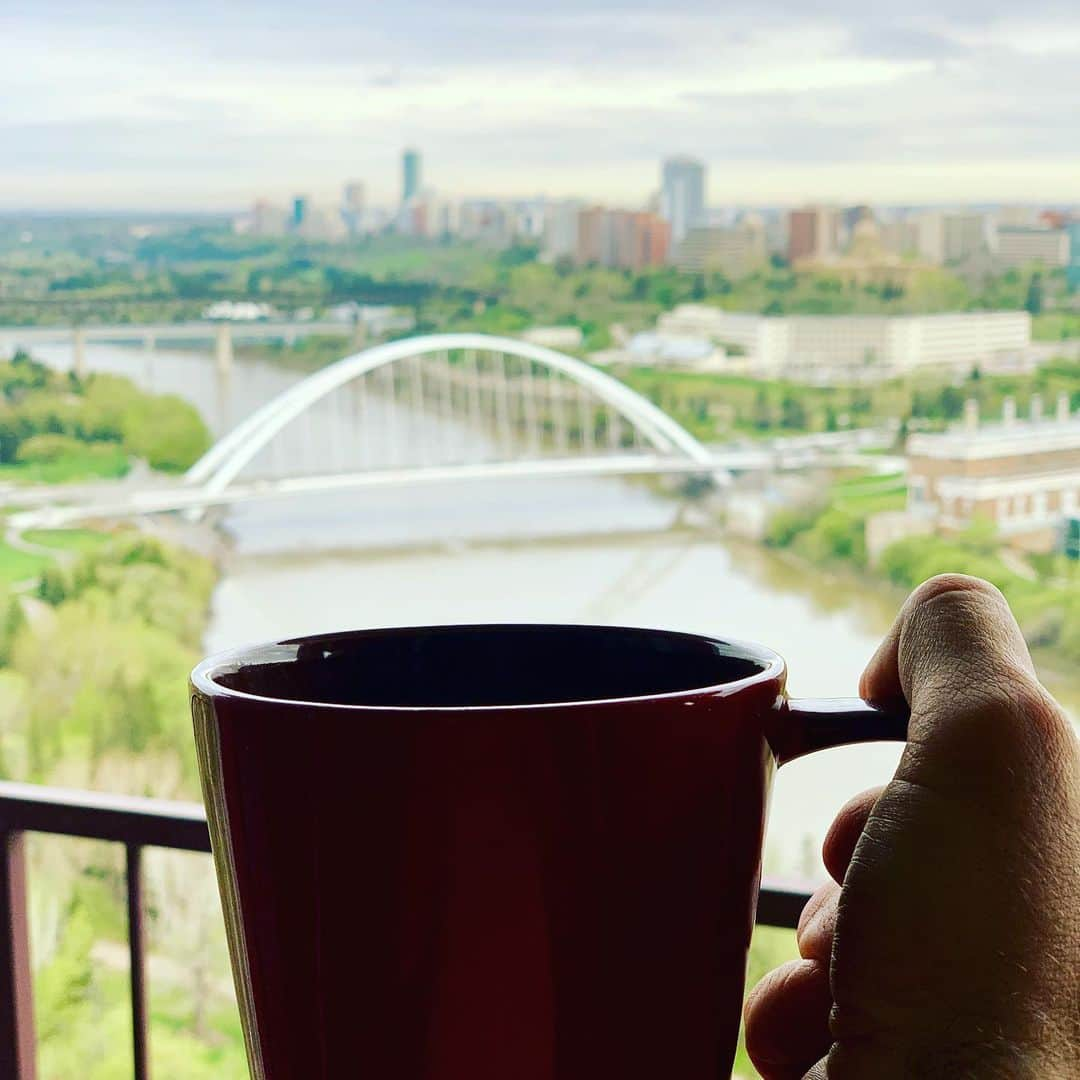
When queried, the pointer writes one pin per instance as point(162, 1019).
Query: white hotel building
point(813, 346)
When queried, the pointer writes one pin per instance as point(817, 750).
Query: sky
point(138, 104)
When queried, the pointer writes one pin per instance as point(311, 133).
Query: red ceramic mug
point(497, 852)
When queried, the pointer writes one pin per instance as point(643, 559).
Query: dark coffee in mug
point(496, 852)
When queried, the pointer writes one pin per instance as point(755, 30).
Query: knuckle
point(954, 587)
point(975, 604)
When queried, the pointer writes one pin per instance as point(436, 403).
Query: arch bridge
point(473, 403)
point(437, 408)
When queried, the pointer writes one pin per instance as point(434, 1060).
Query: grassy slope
point(95, 464)
point(17, 566)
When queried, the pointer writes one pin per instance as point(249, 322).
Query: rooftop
point(1006, 437)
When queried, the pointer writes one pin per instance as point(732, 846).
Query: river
point(599, 551)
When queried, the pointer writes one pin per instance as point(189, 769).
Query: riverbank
point(1042, 590)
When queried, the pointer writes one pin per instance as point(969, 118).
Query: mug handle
point(804, 725)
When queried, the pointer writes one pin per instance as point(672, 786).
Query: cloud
point(905, 42)
point(226, 101)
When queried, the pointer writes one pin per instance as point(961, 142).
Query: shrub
point(166, 431)
point(44, 448)
point(837, 534)
point(52, 586)
point(788, 523)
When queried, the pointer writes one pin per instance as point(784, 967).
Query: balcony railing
point(137, 824)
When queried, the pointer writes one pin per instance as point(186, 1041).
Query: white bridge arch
point(673, 445)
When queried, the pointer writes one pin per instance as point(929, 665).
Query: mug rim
point(203, 678)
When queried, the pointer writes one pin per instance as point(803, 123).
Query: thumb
point(960, 911)
point(981, 724)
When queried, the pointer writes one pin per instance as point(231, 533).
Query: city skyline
point(143, 107)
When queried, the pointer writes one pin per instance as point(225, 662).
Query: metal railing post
point(17, 1048)
point(137, 950)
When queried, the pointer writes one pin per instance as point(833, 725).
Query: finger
point(981, 725)
point(845, 831)
point(882, 683)
point(787, 1020)
point(817, 924)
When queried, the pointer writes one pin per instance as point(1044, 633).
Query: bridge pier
point(78, 352)
point(223, 348)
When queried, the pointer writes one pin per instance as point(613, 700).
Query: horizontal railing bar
point(92, 815)
point(128, 819)
point(780, 904)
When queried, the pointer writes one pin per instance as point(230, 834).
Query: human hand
point(948, 944)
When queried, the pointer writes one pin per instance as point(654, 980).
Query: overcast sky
point(195, 104)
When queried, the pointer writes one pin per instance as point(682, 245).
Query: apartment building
point(1023, 475)
point(1019, 245)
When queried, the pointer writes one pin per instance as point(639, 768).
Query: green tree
point(52, 586)
point(167, 432)
point(1033, 302)
point(793, 412)
point(763, 414)
point(14, 619)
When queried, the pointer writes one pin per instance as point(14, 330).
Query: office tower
point(622, 239)
point(352, 210)
point(1073, 273)
point(410, 175)
point(682, 195)
point(301, 209)
point(561, 230)
point(267, 219)
point(354, 196)
point(813, 233)
point(1018, 245)
point(734, 251)
point(964, 236)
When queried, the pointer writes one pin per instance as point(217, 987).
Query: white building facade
point(809, 346)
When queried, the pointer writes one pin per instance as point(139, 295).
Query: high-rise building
point(900, 237)
point(301, 209)
point(267, 219)
point(352, 210)
point(682, 195)
point(1019, 244)
point(622, 239)
point(487, 221)
point(813, 233)
point(950, 236)
point(1021, 216)
point(410, 175)
point(850, 217)
point(734, 251)
point(354, 196)
point(964, 236)
point(1073, 273)
point(561, 230)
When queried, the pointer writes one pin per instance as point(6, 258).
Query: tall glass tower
point(682, 196)
point(1073, 273)
point(410, 175)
